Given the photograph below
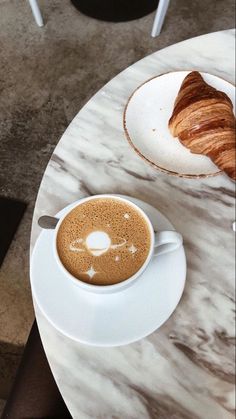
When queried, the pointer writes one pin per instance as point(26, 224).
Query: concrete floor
point(46, 75)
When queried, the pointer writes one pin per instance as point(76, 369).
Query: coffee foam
point(103, 241)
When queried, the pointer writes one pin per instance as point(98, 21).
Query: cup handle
point(167, 241)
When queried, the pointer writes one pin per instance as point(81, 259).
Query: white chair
point(159, 17)
point(36, 12)
point(157, 25)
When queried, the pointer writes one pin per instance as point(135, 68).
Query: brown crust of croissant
point(204, 122)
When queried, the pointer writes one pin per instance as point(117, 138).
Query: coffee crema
point(103, 241)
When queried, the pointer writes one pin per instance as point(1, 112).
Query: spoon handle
point(48, 222)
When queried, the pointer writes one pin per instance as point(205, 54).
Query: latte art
point(103, 241)
point(97, 243)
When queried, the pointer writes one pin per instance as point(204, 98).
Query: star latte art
point(103, 241)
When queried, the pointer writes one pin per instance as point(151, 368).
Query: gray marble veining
point(185, 369)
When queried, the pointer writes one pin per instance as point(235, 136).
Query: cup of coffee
point(104, 243)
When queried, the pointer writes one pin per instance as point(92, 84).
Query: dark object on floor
point(11, 213)
point(35, 394)
point(115, 10)
point(10, 357)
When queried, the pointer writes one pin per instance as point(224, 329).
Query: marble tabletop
point(184, 370)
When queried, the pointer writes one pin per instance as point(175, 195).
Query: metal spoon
point(48, 222)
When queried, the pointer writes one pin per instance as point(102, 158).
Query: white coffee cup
point(161, 242)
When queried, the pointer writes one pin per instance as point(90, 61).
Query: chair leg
point(36, 12)
point(159, 17)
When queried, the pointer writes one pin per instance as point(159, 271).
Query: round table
point(185, 369)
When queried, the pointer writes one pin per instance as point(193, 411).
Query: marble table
point(185, 369)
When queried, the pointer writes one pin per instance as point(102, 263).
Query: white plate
point(146, 118)
point(115, 319)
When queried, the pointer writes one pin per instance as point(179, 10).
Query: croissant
point(204, 122)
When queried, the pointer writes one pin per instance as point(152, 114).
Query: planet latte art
point(103, 241)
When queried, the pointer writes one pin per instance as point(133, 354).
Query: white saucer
point(109, 319)
point(146, 118)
